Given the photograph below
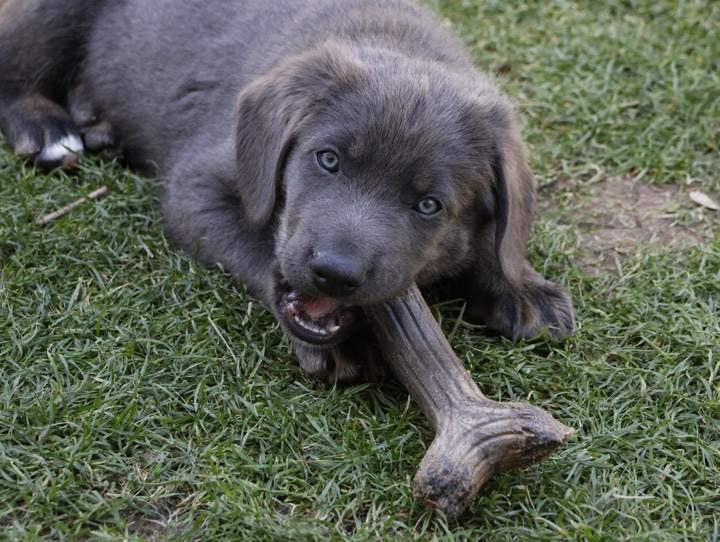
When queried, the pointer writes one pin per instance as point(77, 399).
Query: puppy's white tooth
point(292, 309)
point(333, 329)
point(63, 150)
point(310, 326)
point(303, 324)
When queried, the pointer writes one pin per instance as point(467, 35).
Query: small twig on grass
point(100, 192)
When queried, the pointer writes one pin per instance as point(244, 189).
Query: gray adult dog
point(327, 153)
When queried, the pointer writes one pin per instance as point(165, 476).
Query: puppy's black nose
point(336, 274)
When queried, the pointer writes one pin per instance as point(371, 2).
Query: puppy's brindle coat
point(327, 153)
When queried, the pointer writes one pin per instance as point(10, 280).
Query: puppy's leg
point(524, 308)
point(356, 359)
point(41, 44)
point(203, 217)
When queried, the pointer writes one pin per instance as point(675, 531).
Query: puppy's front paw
point(539, 307)
point(351, 362)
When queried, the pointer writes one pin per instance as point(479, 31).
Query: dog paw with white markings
point(42, 130)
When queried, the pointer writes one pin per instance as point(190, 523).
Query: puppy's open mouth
point(317, 320)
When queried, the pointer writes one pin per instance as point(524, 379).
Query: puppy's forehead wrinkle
point(414, 130)
point(360, 211)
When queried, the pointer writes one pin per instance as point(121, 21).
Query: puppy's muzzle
point(320, 316)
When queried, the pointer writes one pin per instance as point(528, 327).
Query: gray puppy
point(327, 153)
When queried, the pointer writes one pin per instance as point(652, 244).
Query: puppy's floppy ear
point(514, 192)
point(268, 113)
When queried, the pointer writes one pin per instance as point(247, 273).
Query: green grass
point(145, 398)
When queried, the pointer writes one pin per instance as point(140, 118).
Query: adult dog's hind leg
point(41, 44)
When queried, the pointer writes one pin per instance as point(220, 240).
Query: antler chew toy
point(475, 436)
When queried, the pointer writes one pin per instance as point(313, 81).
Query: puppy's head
point(376, 172)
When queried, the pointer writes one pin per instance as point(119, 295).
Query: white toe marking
point(62, 150)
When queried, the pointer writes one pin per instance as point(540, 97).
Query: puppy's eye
point(329, 160)
point(428, 206)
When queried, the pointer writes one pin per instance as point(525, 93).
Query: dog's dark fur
point(234, 103)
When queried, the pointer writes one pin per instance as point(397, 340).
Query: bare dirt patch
point(617, 214)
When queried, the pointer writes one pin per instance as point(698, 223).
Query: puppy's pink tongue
point(317, 307)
